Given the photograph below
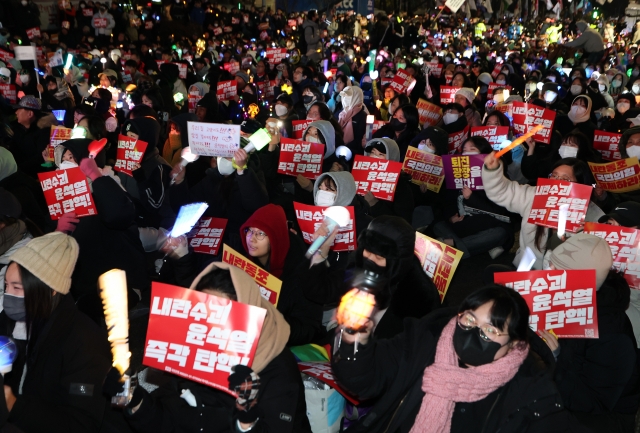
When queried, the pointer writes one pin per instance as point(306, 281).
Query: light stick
point(533, 131)
point(562, 219)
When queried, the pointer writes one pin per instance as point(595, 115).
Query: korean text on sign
point(194, 98)
point(564, 301)
point(310, 219)
point(495, 135)
point(376, 175)
point(457, 139)
point(401, 81)
point(299, 126)
point(526, 116)
point(213, 139)
point(447, 94)
point(439, 261)
point(227, 90)
point(550, 194)
point(425, 168)
point(617, 176)
point(607, 144)
point(429, 113)
point(266, 88)
point(269, 285)
point(275, 56)
point(199, 336)
point(463, 170)
point(624, 243)
point(129, 153)
point(58, 134)
point(206, 236)
point(9, 92)
point(67, 191)
point(300, 157)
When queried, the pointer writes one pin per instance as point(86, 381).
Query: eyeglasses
point(556, 177)
point(259, 235)
point(466, 322)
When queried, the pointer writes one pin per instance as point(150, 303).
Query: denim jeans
point(475, 244)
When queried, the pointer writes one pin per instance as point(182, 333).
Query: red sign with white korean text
point(35, 32)
point(275, 56)
point(299, 126)
point(129, 153)
point(321, 370)
point(429, 113)
point(59, 134)
point(207, 234)
point(493, 86)
point(193, 101)
point(624, 243)
point(447, 94)
point(291, 23)
point(457, 139)
point(564, 301)
point(617, 176)
point(377, 125)
point(425, 168)
point(436, 69)
point(401, 81)
point(182, 70)
point(99, 23)
point(67, 191)
point(376, 175)
point(87, 12)
point(227, 90)
point(300, 157)
point(5, 56)
point(266, 88)
point(463, 170)
point(526, 116)
point(199, 336)
point(439, 261)
point(495, 135)
point(217, 31)
point(310, 219)
point(9, 92)
point(550, 194)
point(607, 144)
point(496, 70)
point(268, 284)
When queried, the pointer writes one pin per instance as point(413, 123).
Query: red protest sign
point(457, 139)
point(377, 125)
point(269, 285)
point(87, 12)
point(9, 92)
point(58, 134)
point(217, 31)
point(199, 336)
point(617, 176)
point(564, 301)
point(300, 157)
point(67, 191)
point(193, 101)
point(310, 219)
point(5, 56)
point(526, 116)
point(232, 67)
point(235, 21)
point(182, 70)
point(401, 81)
point(436, 69)
point(35, 32)
point(99, 23)
point(495, 135)
point(493, 86)
point(425, 168)
point(299, 126)
point(447, 94)
point(263, 26)
point(227, 90)
point(129, 153)
point(207, 234)
point(496, 70)
point(550, 194)
point(275, 56)
point(266, 88)
point(429, 113)
point(607, 144)
point(322, 371)
point(376, 175)
point(227, 29)
point(291, 23)
point(439, 261)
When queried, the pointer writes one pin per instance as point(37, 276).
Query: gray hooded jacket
point(345, 186)
point(329, 134)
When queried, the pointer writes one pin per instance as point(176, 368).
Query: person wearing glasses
point(519, 199)
point(477, 369)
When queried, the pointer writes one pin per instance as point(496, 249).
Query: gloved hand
point(245, 382)
point(112, 384)
point(67, 223)
point(90, 168)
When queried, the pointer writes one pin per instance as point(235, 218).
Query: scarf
point(445, 383)
point(10, 235)
point(346, 124)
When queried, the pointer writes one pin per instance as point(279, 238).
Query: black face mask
point(397, 125)
point(307, 99)
point(371, 266)
point(473, 349)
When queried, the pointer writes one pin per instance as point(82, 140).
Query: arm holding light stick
point(187, 157)
point(533, 131)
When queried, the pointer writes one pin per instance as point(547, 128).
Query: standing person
point(353, 118)
point(27, 16)
point(103, 23)
point(312, 36)
point(590, 41)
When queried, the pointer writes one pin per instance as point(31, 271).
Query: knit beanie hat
point(51, 258)
point(583, 251)
point(485, 78)
point(243, 75)
point(468, 93)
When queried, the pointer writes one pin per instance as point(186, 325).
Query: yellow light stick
point(113, 291)
point(533, 131)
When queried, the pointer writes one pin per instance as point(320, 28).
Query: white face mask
point(567, 151)
point(578, 111)
point(501, 82)
point(281, 110)
point(602, 87)
point(426, 148)
point(325, 198)
point(470, 153)
point(623, 107)
point(550, 96)
point(449, 118)
point(636, 88)
point(311, 139)
point(64, 165)
point(633, 151)
point(224, 166)
point(575, 89)
point(616, 83)
point(24, 79)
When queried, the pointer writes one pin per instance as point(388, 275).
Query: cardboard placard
point(447, 94)
point(5, 56)
point(227, 90)
point(300, 157)
point(266, 89)
point(194, 98)
point(436, 69)
point(268, 284)
point(564, 301)
point(206, 236)
point(310, 219)
point(425, 168)
point(439, 261)
point(67, 191)
point(430, 114)
point(182, 70)
point(617, 176)
point(87, 12)
point(457, 139)
point(401, 81)
point(275, 56)
point(129, 153)
point(454, 5)
point(213, 139)
point(550, 194)
point(463, 170)
point(526, 116)
point(376, 175)
point(607, 144)
point(299, 126)
point(199, 336)
point(99, 23)
point(493, 86)
point(495, 135)
point(8, 91)
point(33, 33)
point(58, 134)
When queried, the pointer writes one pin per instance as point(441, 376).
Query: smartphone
point(279, 76)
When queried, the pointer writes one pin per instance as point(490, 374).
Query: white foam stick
point(527, 260)
point(188, 216)
point(562, 219)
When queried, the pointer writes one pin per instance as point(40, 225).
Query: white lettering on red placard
point(447, 94)
point(299, 126)
point(310, 219)
point(526, 116)
point(206, 236)
point(457, 139)
point(129, 153)
point(300, 157)
point(376, 175)
point(607, 144)
point(67, 191)
point(227, 90)
point(495, 135)
point(550, 194)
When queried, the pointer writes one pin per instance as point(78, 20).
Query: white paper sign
point(25, 52)
point(213, 139)
point(454, 5)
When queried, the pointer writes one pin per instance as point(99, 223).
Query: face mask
point(470, 153)
point(370, 265)
point(575, 90)
point(636, 88)
point(552, 79)
point(472, 349)
point(578, 111)
point(550, 96)
point(622, 107)
point(501, 82)
point(567, 151)
point(67, 164)
point(14, 307)
point(325, 198)
point(397, 125)
point(402, 65)
point(633, 151)
point(311, 139)
point(281, 110)
point(224, 166)
point(24, 79)
point(616, 83)
point(426, 148)
point(602, 87)
point(449, 118)
point(83, 6)
point(307, 99)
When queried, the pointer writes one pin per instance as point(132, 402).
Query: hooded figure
point(172, 149)
point(327, 136)
point(353, 118)
point(345, 187)
point(590, 41)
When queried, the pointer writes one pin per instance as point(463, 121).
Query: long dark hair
point(325, 114)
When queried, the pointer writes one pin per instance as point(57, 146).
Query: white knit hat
point(468, 93)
